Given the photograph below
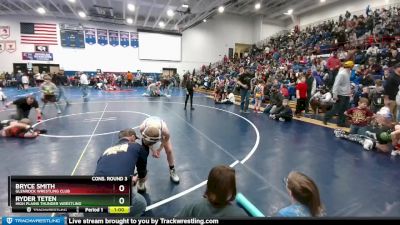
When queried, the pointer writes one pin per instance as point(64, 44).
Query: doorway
point(37, 68)
point(168, 72)
point(23, 67)
point(241, 49)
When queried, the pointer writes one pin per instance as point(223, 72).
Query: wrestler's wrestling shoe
point(174, 177)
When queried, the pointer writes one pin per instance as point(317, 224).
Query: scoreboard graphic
point(81, 194)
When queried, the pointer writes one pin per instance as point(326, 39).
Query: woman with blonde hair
point(305, 197)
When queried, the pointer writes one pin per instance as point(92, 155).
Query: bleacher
point(292, 104)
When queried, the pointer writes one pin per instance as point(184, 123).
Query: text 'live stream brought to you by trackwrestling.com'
point(142, 221)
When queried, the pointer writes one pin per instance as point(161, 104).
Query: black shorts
point(49, 98)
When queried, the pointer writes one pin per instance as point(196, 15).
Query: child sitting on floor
point(360, 116)
point(377, 135)
point(284, 114)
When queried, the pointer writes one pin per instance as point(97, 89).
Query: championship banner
point(134, 39)
point(114, 37)
point(124, 38)
point(90, 36)
point(11, 46)
point(38, 56)
point(102, 37)
point(4, 32)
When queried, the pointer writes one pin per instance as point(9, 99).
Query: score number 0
point(121, 188)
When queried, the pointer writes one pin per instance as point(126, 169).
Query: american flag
point(39, 33)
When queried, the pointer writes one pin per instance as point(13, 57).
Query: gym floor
point(352, 182)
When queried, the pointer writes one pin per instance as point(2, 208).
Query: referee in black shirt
point(189, 91)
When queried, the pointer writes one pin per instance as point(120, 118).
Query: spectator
point(377, 96)
point(275, 99)
point(218, 201)
point(360, 116)
point(341, 94)
point(391, 88)
point(322, 100)
point(244, 83)
point(285, 113)
point(230, 99)
point(301, 96)
point(305, 197)
point(333, 65)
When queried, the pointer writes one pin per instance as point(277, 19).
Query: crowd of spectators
point(317, 53)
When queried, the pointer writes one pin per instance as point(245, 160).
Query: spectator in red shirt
point(301, 96)
point(333, 64)
point(360, 116)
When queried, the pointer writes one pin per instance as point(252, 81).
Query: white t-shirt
point(231, 98)
point(84, 79)
point(2, 96)
point(25, 79)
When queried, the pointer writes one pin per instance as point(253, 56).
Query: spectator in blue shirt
point(305, 197)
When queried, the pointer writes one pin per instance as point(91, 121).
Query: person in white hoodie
point(25, 81)
point(341, 94)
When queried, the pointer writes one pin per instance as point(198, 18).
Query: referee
point(189, 91)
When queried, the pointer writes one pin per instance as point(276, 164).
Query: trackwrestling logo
point(33, 220)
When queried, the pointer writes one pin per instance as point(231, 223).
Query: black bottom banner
point(162, 221)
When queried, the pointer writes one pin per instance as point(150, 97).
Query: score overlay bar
point(68, 193)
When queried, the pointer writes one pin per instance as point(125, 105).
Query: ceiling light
point(322, 1)
point(82, 14)
point(289, 12)
point(131, 7)
point(161, 24)
point(257, 6)
point(221, 9)
point(185, 5)
point(170, 13)
point(129, 20)
point(41, 10)
point(205, 20)
point(72, 1)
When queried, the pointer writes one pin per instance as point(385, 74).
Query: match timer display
point(88, 194)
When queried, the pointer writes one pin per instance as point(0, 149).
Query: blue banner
point(134, 39)
point(90, 36)
point(102, 37)
point(39, 56)
point(14, 220)
point(114, 37)
point(124, 38)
